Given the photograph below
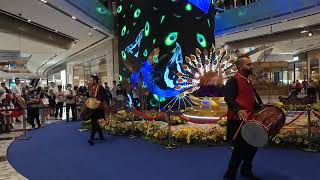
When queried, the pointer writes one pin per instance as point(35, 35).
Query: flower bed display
point(184, 133)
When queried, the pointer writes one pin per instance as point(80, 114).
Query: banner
point(9, 55)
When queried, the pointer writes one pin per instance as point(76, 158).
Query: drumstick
point(236, 134)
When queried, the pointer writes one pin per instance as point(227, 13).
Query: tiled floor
point(6, 170)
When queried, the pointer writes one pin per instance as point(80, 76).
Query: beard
point(247, 71)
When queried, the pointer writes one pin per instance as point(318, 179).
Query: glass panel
point(78, 75)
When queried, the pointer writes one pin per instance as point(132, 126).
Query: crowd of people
point(304, 88)
point(45, 103)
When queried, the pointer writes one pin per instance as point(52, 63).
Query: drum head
point(254, 134)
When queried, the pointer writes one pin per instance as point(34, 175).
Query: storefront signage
point(9, 55)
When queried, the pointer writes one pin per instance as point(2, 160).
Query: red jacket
point(244, 98)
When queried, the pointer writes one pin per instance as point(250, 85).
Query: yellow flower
point(188, 139)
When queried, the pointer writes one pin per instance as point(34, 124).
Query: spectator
point(4, 86)
point(70, 102)
point(52, 102)
point(121, 93)
point(114, 93)
point(33, 102)
point(59, 102)
point(298, 86)
point(108, 93)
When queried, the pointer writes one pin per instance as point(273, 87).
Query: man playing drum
point(242, 102)
point(97, 92)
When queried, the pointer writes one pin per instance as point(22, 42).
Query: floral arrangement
point(299, 107)
point(211, 136)
point(157, 131)
point(291, 137)
point(222, 122)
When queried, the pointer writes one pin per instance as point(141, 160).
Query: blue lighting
point(204, 5)
point(135, 45)
point(129, 102)
point(135, 77)
point(178, 60)
point(147, 72)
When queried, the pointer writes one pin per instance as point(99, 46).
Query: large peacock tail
point(203, 68)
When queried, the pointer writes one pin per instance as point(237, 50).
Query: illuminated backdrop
point(176, 27)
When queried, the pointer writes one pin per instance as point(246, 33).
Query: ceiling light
point(43, 1)
point(310, 34)
point(29, 20)
point(304, 31)
point(74, 17)
point(94, 28)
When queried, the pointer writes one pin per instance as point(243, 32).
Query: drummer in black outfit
point(242, 101)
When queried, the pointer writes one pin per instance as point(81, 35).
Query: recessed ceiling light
point(43, 1)
point(74, 17)
point(94, 28)
point(29, 20)
point(310, 34)
point(304, 31)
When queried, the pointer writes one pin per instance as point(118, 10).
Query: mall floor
point(7, 172)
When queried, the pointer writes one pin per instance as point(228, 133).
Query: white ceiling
point(297, 44)
point(42, 14)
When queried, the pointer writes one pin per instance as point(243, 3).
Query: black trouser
point(98, 114)
point(59, 107)
point(242, 152)
point(73, 111)
point(33, 113)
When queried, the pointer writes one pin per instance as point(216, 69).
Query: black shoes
point(245, 171)
point(230, 175)
point(228, 178)
point(249, 175)
point(91, 142)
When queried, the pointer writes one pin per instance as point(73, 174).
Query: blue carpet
point(60, 152)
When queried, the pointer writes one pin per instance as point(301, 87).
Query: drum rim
point(245, 135)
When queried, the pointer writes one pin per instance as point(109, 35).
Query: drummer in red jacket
point(97, 92)
point(241, 99)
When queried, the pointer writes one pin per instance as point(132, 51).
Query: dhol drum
point(266, 123)
point(92, 103)
point(86, 113)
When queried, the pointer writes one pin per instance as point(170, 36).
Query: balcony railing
point(263, 12)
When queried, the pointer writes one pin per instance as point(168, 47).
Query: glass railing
point(260, 11)
point(231, 4)
point(96, 9)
